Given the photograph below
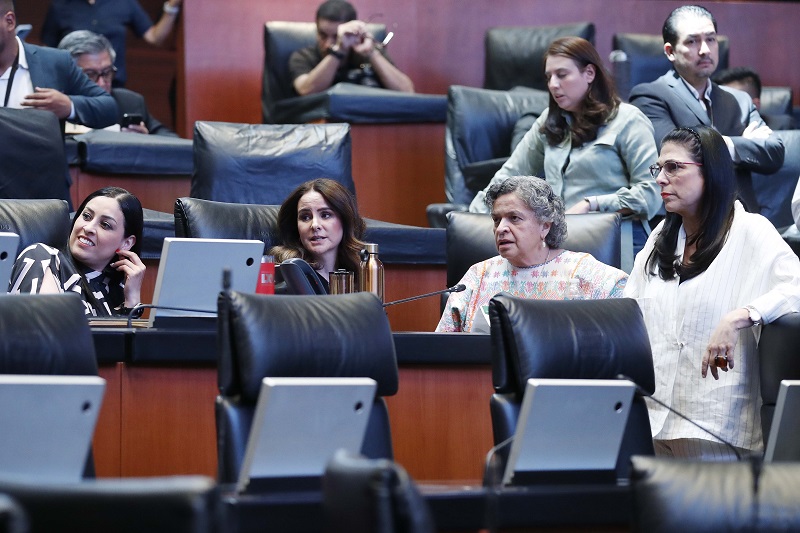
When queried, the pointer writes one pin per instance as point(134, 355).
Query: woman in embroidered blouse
point(591, 148)
point(529, 228)
point(708, 273)
point(101, 260)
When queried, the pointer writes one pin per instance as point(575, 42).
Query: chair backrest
point(639, 58)
point(32, 152)
point(478, 134)
point(777, 361)
point(515, 55)
point(45, 334)
point(774, 191)
point(362, 495)
point(571, 339)
point(299, 336)
point(206, 219)
point(673, 495)
point(45, 221)
point(263, 164)
point(179, 504)
point(281, 39)
point(470, 239)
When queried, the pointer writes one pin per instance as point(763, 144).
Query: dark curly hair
point(599, 105)
point(706, 146)
point(343, 203)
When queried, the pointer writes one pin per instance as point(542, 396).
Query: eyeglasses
point(107, 74)
point(670, 168)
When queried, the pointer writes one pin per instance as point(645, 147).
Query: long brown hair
point(599, 105)
point(343, 203)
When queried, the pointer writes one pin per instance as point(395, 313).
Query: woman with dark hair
point(529, 228)
point(319, 222)
point(101, 259)
point(708, 277)
point(592, 148)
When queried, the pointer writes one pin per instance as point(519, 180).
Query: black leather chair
point(298, 336)
point(639, 58)
point(470, 239)
point(515, 55)
point(774, 192)
point(571, 339)
point(32, 152)
point(263, 164)
point(478, 140)
point(371, 496)
point(281, 39)
point(12, 517)
point(777, 360)
point(180, 504)
point(205, 219)
point(45, 221)
point(692, 496)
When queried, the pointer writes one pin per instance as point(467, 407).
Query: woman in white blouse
point(708, 276)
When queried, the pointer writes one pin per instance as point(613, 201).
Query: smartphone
point(130, 118)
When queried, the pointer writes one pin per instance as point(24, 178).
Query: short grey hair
point(82, 42)
point(546, 205)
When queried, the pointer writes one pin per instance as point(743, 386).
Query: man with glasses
point(345, 52)
point(686, 96)
point(43, 78)
point(95, 56)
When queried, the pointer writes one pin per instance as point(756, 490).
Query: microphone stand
point(456, 288)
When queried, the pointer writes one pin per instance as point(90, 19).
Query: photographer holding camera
point(345, 52)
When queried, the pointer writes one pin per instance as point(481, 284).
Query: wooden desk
point(158, 418)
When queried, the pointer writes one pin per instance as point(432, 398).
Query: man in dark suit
point(686, 96)
point(44, 78)
point(95, 56)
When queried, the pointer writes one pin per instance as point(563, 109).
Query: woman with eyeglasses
point(592, 148)
point(708, 277)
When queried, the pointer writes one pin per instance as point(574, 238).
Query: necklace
point(546, 259)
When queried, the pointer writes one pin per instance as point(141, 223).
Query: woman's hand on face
point(133, 268)
point(723, 341)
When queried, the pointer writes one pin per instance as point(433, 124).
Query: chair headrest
point(575, 339)
point(303, 336)
point(206, 219)
point(51, 335)
point(45, 221)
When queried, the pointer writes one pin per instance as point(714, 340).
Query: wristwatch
point(335, 52)
point(755, 316)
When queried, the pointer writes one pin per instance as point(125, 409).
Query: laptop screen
point(47, 426)
point(569, 426)
point(300, 422)
point(783, 443)
point(8, 254)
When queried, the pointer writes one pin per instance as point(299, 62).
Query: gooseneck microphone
point(643, 392)
point(134, 312)
point(456, 288)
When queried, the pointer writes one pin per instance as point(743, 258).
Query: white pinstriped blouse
point(755, 267)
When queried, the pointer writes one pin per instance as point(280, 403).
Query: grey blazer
point(669, 104)
point(54, 69)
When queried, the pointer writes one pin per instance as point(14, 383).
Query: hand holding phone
point(131, 118)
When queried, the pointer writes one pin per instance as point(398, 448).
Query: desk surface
point(454, 508)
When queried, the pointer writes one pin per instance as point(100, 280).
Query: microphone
point(456, 288)
point(643, 392)
point(135, 310)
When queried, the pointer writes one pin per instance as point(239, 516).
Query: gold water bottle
point(370, 271)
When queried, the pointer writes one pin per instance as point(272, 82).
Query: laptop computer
point(298, 424)
point(783, 443)
point(47, 426)
point(8, 254)
point(190, 277)
point(569, 430)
